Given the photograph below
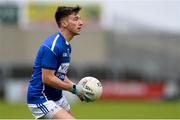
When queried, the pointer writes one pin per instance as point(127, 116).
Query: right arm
point(51, 80)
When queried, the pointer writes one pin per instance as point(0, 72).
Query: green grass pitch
point(104, 110)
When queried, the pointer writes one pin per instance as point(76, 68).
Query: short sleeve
point(49, 59)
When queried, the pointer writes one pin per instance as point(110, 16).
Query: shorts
point(47, 109)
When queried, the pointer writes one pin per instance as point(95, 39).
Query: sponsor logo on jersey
point(63, 68)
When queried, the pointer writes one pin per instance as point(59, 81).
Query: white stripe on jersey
point(54, 42)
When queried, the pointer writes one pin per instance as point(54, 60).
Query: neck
point(66, 34)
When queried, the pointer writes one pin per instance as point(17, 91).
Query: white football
point(94, 85)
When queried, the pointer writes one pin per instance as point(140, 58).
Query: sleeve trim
point(50, 68)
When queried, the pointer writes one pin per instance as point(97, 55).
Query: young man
point(44, 97)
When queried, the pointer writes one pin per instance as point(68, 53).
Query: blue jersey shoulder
point(54, 43)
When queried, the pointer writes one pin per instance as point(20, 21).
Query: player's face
point(74, 23)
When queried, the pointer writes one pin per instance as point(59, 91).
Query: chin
point(76, 34)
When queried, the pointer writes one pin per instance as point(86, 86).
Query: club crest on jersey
point(65, 54)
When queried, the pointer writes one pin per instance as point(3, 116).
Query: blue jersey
point(54, 54)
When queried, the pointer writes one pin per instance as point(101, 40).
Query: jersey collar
point(67, 43)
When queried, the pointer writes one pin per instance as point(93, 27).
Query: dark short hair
point(64, 11)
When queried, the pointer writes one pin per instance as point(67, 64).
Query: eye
point(76, 18)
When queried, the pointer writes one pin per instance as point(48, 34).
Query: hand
point(82, 93)
point(85, 98)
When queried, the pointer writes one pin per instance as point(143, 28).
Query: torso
point(54, 53)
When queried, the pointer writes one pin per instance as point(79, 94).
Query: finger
point(81, 98)
point(87, 98)
point(88, 92)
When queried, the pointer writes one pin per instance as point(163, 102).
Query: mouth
point(79, 28)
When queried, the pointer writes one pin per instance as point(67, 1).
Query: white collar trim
point(67, 43)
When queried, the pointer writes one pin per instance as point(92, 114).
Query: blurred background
point(131, 46)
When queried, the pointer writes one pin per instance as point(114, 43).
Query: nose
point(81, 23)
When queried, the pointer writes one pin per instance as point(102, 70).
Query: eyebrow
point(77, 17)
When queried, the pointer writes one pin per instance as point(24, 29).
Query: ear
point(64, 23)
